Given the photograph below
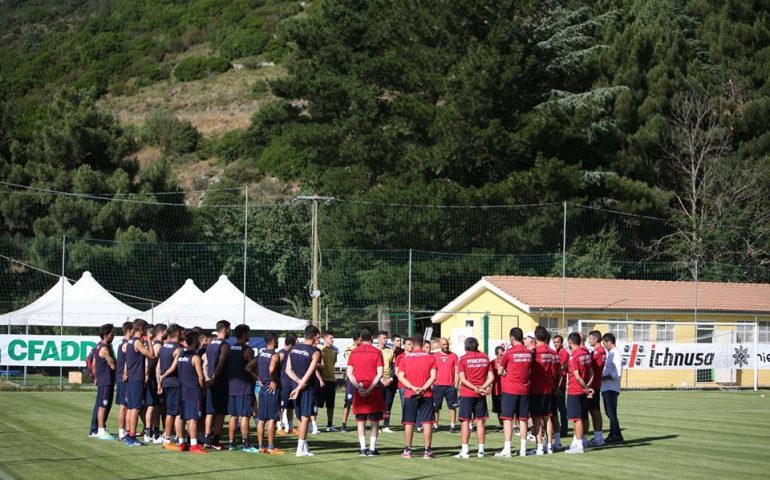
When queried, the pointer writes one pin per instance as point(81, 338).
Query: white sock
point(452, 425)
point(193, 441)
point(464, 448)
point(539, 447)
point(507, 446)
point(372, 442)
point(315, 426)
point(549, 447)
point(481, 447)
point(301, 446)
point(597, 435)
point(523, 447)
point(121, 432)
point(102, 431)
point(556, 438)
point(362, 441)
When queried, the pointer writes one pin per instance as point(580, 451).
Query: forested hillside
point(648, 107)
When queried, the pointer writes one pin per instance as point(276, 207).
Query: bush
point(194, 68)
point(172, 135)
point(242, 43)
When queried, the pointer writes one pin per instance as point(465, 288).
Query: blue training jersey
point(134, 362)
point(188, 377)
point(120, 363)
point(301, 357)
point(164, 363)
point(263, 366)
point(238, 379)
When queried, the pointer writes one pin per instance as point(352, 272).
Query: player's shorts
point(151, 397)
point(240, 405)
point(496, 404)
point(286, 402)
point(269, 405)
point(120, 393)
point(104, 395)
point(514, 406)
point(372, 404)
point(473, 408)
point(191, 409)
point(306, 404)
point(418, 410)
point(349, 389)
point(135, 395)
point(327, 394)
point(540, 405)
point(172, 397)
point(448, 392)
point(216, 399)
point(593, 403)
point(576, 407)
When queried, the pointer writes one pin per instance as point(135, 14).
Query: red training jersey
point(446, 363)
point(542, 371)
point(475, 366)
point(416, 366)
point(579, 362)
point(555, 367)
point(365, 359)
point(517, 362)
point(598, 357)
point(563, 364)
point(397, 364)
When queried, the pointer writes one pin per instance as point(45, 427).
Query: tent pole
point(245, 246)
point(24, 381)
point(8, 367)
point(61, 327)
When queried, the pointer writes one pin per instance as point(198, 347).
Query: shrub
point(172, 135)
point(194, 68)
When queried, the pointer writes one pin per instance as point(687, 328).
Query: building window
point(744, 333)
point(642, 332)
point(469, 323)
point(549, 323)
point(665, 332)
point(572, 325)
point(764, 332)
point(620, 330)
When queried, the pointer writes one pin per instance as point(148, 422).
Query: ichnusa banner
point(45, 350)
point(682, 356)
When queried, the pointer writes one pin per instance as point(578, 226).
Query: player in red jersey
point(365, 369)
point(598, 357)
point(417, 372)
point(559, 417)
point(541, 390)
point(580, 377)
point(476, 377)
point(497, 387)
point(515, 370)
point(447, 383)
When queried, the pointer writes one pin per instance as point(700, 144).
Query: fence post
point(61, 327)
point(411, 323)
point(485, 333)
point(564, 268)
point(756, 354)
point(245, 245)
point(409, 288)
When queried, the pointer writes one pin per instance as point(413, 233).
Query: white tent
point(186, 295)
point(223, 301)
point(18, 317)
point(86, 304)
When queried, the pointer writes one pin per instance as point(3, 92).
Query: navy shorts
point(239, 405)
point(448, 392)
point(104, 394)
point(172, 399)
point(540, 405)
point(269, 405)
point(135, 395)
point(216, 399)
point(327, 394)
point(473, 408)
point(576, 407)
point(496, 404)
point(418, 410)
point(349, 390)
point(120, 393)
point(286, 402)
point(151, 397)
point(191, 410)
point(372, 417)
point(306, 404)
point(514, 406)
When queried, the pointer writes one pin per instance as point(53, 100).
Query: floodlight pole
point(564, 268)
point(245, 246)
point(61, 318)
point(315, 294)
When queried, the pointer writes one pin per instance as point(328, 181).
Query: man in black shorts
point(329, 390)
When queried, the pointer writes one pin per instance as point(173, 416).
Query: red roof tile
point(603, 294)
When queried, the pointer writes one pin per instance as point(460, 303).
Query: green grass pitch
point(668, 435)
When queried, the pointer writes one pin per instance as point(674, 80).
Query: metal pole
point(61, 327)
point(24, 381)
point(8, 367)
point(696, 290)
point(316, 294)
point(564, 268)
point(245, 246)
point(756, 354)
point(327, 318)
point(409, 293)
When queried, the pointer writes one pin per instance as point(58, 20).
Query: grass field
point(668, 435)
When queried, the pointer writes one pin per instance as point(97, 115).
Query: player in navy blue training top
point(168, 384)
point(301, 368)
point(135, 375)
point(240, 384)
point(104, 378)
point(287, 405)
point(216, 382)
point(152, 399)
point(120, 389)
point(266, 366)
point(192, 383)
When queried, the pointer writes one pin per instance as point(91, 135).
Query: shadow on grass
point(635, 442)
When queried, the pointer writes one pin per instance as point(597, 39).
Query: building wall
point(503, 316)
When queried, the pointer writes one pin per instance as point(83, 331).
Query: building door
point(704, 334)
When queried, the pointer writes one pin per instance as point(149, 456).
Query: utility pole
point(315, 293)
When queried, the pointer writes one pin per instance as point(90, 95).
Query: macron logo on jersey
point(294, 351)
point(184, 359)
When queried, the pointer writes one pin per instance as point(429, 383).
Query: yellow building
point(633, 310)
